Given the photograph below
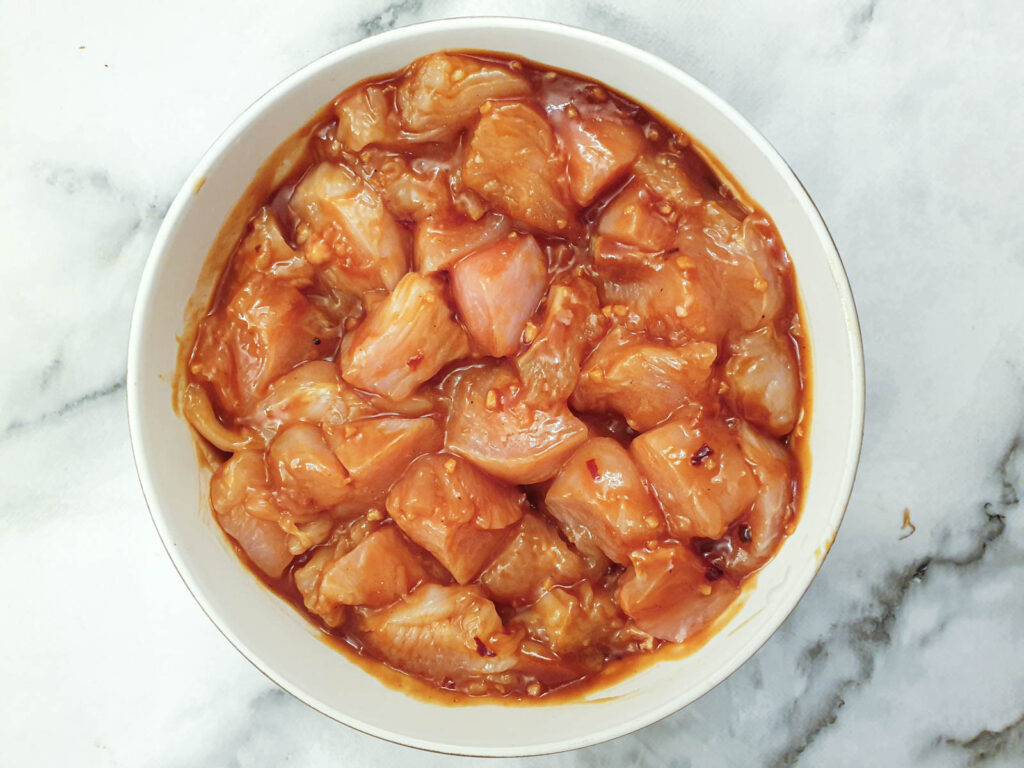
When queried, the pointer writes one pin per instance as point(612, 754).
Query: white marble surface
point(904, 121)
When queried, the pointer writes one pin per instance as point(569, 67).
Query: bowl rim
point(147, 287)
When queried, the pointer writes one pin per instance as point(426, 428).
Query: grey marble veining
point(902, 119)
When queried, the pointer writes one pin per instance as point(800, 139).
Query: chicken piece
point(455, 512)
point(422, 189)
point(197, 408)
point(767, 290)
point(637, 217)
point(670, 593)
point(601, 145)
point(467, 203)
point(774, 509)
point(312, 393)
point(264, 250)
point(440, 242)
point(448, 635)
point(305, 394)
point(764, 381)
point(404, 340)
point(497, 289)
point(344, 537)
point(492, 423)
point(308, 578)
point(595, 561)
point(299, 460)
point(664, 175)
point(645, 382)
point(600, 489)
point(534, 559)
point(570, 621)
point(375, 451)
point(747, 260)
point(243, 493)
point(698, 474)
point(266, 329)
point(379, 570)
point(306, 532)
point(672, 297)
point(245, 508)
point(413, 189)
point(366, 116)
point(569, 327)
point(442, 92)
point(349, 236)
point(514, 163)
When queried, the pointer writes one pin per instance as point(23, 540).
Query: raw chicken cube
point(307, 580)
point(444, 91)
point(492, 423)
point(600, 489)
point(441, 241)
point(344, 538)
point(412, 189)
point(455, 512)
point(375, 451)
point(305, 394)
point(763, 376)
point(446, 634)
point(767, 289)
point(601, 146)
point(569, 621)
point(595, 561)
point(300, 461)
point(746, 260)
point(304, 532)
point(266, 329)
point(643, 381)
point(569, 327)
point(775, 507)
point(534, 559)
point(637, 217)
point(672, 297)
point(312, 393)
point(245, 508)
point(346, 232)
point(514, 163)
point(497, 289)
point(663, 174)
point(367, 116)
point(264, 250)
point(698, 473)
point(380, 569)
point(198, 409)
point(404, 340)
point(670, 593)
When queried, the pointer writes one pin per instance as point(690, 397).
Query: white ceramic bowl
point(273, 635)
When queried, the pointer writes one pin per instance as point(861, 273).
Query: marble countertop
point(903, 119)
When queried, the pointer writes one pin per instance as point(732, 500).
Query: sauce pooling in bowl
point(504, 378)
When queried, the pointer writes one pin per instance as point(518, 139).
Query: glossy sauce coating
point(505, 379)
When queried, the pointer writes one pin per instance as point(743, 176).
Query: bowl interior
point(269, 631)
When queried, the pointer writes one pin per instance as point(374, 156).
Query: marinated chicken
point(506, 382)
